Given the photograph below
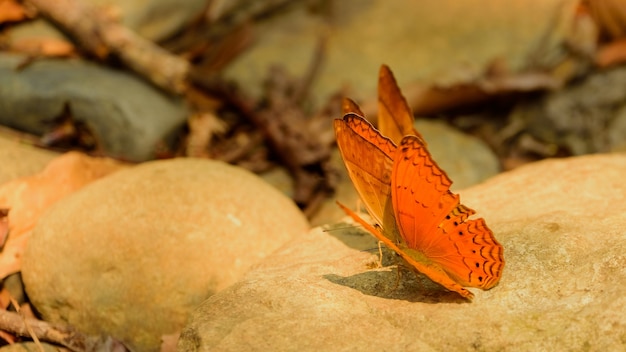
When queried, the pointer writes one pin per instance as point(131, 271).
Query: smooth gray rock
point(129, 117)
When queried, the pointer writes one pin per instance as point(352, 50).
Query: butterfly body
point(409, 197)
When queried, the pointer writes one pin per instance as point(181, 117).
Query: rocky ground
point(193, 254)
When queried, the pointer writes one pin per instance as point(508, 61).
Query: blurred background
point(257, 84)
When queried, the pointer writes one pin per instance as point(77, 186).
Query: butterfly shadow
point(352, 236)
point(395, 281)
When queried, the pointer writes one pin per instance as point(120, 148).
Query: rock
point(129, 118)
point(19, 160)
point(424, 40)
point(29, 347)
point(560, 222)
point(588, 116)
point(154, 20)
point(466, 159)
point(132, 254)
point(160, 19)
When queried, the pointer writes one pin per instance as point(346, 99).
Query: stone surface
point(29, 347)
point(466, 159)
point(19, 160)
point(132, 254)
point(588, 116)
point(154, 19)
point(417, 39)
point(560, 222)
point(129, 117)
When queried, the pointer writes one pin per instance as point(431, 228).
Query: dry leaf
point(611, 54)
point(11, 11)
point(609, 16)
point(202, 127)
point(27, 311)
point(7, 337)
point(29, 197)
point(48, 47)
point(5, 298)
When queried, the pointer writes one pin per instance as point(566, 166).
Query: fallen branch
point(101, 35)
point(65, 336)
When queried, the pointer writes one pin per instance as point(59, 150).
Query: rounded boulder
point(132, 254)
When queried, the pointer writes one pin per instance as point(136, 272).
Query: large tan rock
point(446, 40)
point(132, 254)
point(561, 224)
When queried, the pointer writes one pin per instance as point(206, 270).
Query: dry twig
point(65, 336)
point(100, 35)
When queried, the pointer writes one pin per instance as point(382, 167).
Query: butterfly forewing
point(431, 220)
point(367, 156)
point(395, 119)
point(348, 106)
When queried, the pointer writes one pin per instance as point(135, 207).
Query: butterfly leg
point(380, 254)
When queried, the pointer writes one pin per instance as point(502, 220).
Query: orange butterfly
point(409, 197)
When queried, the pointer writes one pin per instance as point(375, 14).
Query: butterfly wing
point(421, 266)
point(433, 223)
point(367, 156)
point(348, 106)
point(395, 119)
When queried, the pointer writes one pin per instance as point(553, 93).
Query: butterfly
point(408, 196)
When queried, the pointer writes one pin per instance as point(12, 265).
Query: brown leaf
point(5, 298)
point(611, 54)
point(202, 127)
point(7, 337)
point(46, 47)
point(27, 311)
point(609, 16)
point(29, 197)
point(11, 11)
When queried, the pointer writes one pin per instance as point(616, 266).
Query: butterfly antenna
point(342, 228)
point(398, 278)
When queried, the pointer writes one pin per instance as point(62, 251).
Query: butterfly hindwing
point(432, 221)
